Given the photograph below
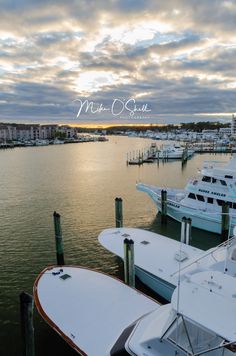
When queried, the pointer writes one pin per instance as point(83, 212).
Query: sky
point(117, 61)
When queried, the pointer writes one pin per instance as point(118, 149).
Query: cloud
point(179, 56)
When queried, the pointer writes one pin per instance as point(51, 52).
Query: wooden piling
point(27, 327)
point(225, 221)
point(183, 230)
point(188, 235)
point(129, 271)
point(185, 155)
point(163, 206)
point(119, 212)
point(58, 239)
point(131, 264)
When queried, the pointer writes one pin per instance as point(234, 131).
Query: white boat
point(100, 316)
point(200, 320)
point(202, 198)
point(88, 309)
point(159, 259)
point(40, 142)
point(57, 141)
point(170, 151)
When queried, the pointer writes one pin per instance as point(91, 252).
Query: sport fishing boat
point(202, 198)
point(160, 261)
point(98, 315)
point(198, 321)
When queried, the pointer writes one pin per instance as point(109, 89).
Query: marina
point(71, 188)
point(118, 178)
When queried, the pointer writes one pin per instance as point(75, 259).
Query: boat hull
point(201, 219)
point(158, 285)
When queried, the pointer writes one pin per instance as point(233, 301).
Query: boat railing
point(223, 245)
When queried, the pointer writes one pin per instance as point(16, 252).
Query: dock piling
point(225, 221)
point(119, 212)
point(129, 269)
point(163, 206)
point(183, 230)
point(188, 231)
point(27, 327)
point(58, 239)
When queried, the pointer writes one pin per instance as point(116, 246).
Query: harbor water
point(79, 181)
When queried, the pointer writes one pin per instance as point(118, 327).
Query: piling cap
point(56, 215)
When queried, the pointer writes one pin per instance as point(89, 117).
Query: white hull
point(158, 285)
point(202, 219)
point(169, 155)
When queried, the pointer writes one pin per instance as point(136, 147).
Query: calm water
point(80, 181)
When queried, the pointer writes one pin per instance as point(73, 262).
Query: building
point(233, 125)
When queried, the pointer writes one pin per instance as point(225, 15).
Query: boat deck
point(154, 253)
point(87, 308)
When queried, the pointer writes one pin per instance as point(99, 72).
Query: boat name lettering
point(214, 193)
point(173, 204)
point(203, 191)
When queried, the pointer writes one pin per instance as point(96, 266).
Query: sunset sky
point(177, 57)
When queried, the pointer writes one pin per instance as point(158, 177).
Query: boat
point(202, 198)
point(88, 309)
point(58, 141)
point(200, 320)
point(170, 151)
point(159, 259)
point(41, 142)
point(98, 315)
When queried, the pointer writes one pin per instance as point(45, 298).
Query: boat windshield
point(191, 338)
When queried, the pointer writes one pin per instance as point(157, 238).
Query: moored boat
point(160, 261)
point(99, 316)
point(202, 198)
point(88, 309)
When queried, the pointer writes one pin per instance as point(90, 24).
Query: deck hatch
point(65, 276)
point(144, 242)
point(125, 235)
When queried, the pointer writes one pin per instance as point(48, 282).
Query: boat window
point(220, 202)
point(234, 205)
point(230, 204)
point(230, 177)
point(210, 200)
point(214, 180)
point(206, 179)
point(191, 196)
point(200, 197)
point(191, 338)
point(223, 182)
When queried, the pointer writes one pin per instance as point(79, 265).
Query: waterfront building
point(233, 125)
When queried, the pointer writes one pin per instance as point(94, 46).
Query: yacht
point(98, 315)
point(160, 261)
point(202, 198)
point(170, 151)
